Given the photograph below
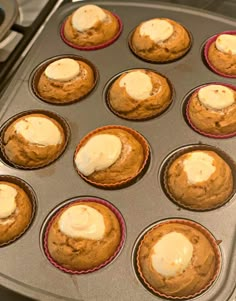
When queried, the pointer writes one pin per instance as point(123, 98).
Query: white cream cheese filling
point(100, 152)
point(38, 130)
point(226, 43)
point(172, 254)
point(216, 97)
point(87, 16)
point(82, 221)
point(7, 200)
point(63, 70)
point(158, 30)
point(138, 85)
point(198, 167)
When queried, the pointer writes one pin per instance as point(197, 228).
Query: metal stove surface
point(29, 9)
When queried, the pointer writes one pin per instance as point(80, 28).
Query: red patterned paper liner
point(206, 49)
point(216, 136)
point(119, 184)
point(96, 47)
point(95, 200)
point(213, 242)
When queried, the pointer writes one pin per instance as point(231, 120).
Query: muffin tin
point(24, 265)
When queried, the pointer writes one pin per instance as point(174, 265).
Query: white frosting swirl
point(158, 30)
point(216, 96)
point(226, 43)
point(100, 152)
point(172, 254)
point(198, 167)
point(38, 130)
point(138, 85)
point(7, 200)
point(82, 221)
point(63, 70)
point(87, 16)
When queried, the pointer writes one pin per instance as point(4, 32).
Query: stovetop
point(31, 16)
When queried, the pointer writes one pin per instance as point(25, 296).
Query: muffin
point(33, 140)
point(84, 236)
point(212, 110)
point(111, 156)
point(91, 27)
point(199, 180)
point(16, 211)
point(160, 40)
point(139, 94)
point(178, 259)
point(220, 53)
point(64, 80)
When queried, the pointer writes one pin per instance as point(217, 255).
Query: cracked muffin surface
point(213, 111)
point(100, 26)
point(176, 260)
point(33, 140)
point(111, 155)
point(56, 89)
point(169, 45)
point(139, 94)
point(199, 179)
point(222, 59)
point(15, 211)
point(84, 238)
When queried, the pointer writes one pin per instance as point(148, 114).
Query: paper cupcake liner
point(77, 201)
point(144, 118)
point(206, 50)
point(50, 114)
point(215, 136)
point(35, 76)
point(130, 37)
point(95, 47)
point(200, 228)
point(127, 181)
point(32, 197)
point(186, 149)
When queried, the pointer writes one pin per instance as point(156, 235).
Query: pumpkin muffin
point(33, 140)
point(64, 80)
point(139, 94)
point(160, 40)
point(111, 156)
point(84, 236)
point(211, 110)
point(199, 180)
point(91, 27)
point(220, 53)
point(178, 259)
point(15, 211)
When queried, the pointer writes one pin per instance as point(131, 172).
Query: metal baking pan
point(24, 266)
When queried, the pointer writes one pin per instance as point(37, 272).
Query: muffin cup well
point(130, 37)
point(32, 197)
point(77, 201)
point(35, 76)
point(206, 50)
point(216, 136)
point(96, 47)
point(58, 118)
point(192, 224)
point(189, 148)
point(127, 181)
point(137, 119)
